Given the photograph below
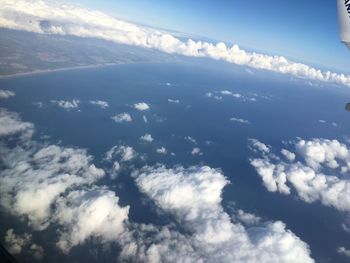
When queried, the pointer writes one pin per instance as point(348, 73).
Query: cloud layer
point(67, 19)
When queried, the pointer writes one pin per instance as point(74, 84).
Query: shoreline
point(44, 71)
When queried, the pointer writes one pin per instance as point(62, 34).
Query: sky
point(305, 31)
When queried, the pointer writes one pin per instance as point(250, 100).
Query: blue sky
point(303, 30)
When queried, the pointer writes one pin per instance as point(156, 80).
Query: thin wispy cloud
point(66, 104)
point(239, 120)
point(69, 19)
point(102, 104)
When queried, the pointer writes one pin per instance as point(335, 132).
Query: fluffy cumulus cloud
point(66, 104)
point(22, 244)
point(4, 94)
point(93, 213)
point(48, 17)
point(196, 151)
point(122, 117)
point(314, 171)
point(146, 138)
point(102, 104)
point(193, 198)
point(142, 106)
point(162, 150)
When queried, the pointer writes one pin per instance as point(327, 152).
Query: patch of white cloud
point(66, 104)
point(20, 244)
point(142, 106)
point(255, 144)
point(289, 155)
point(190, 139)
point(174, 101)
point(196, 151)
point(126, 153)
point(212, 95)
point(230, 93)
point(86, 214)
point(162, 150)
point(38, 104)
point(5, 94)
point(147, 138)
point(145, 120)
point(102, 104)
point(11, 123)
point(193, 198)
point(122, 117)
point(239, 120)
point(316, 175)
point(69, 19)
point(343, 251)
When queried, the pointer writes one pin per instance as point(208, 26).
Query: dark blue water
point(285, 108)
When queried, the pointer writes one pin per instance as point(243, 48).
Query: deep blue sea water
point(285, 108)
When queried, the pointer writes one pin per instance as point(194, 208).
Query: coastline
point(44, 71)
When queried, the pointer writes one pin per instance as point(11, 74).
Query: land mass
point(24, 53)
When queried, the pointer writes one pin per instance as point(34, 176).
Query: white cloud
point(230, 93)
point(122, 117)
point(310, 177)
point(68, 19)
point(173, 101)
point(161, 150)
point(17, 244)
point(145, 120)
point(190, 139)
point(247, 218)
point(4, 94)
point(11, 123)
point(102, 104)
point(196, 151)
point(344, 251)
point(126, 153)
point(146, 138)
point(38, 104)
point(93, 213)
point(142, 106)
point(212, 95)
point(193, 197)
point(257, 145)
point(289, 155)
point(243, 121)
point(67, 105)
